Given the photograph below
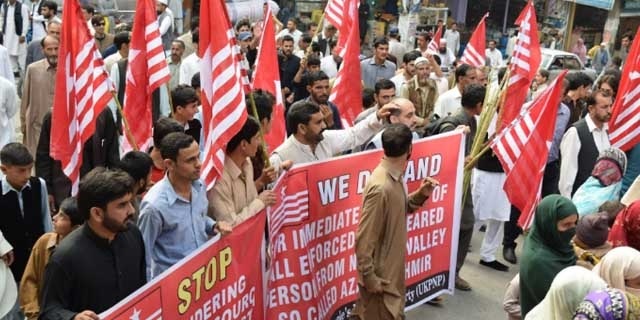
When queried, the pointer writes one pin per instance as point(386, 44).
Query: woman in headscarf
point(604, 184)
point(568, 289)
point(620, 268)
point(547, 249)
point(608, 304)
point(626, 229)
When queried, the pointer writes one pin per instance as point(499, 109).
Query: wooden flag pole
point(254, 111)
point(127, 129)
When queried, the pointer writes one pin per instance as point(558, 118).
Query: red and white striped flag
point(267, 77)
point(523, 147)
point(82, 92)
point(147, 70)
point(244, 64)
point(223, 107)
point(334, 12)
point(347, 88)
point(292, 206)
point(474, 54)
point(434, 44)
point(624, 126)
point(524, 65)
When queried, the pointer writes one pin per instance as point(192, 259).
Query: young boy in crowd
point(66, 220)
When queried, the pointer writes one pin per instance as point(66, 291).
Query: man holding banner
point(382, 230)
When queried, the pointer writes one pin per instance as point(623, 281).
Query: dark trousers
point(549, 186)
point(466, 231)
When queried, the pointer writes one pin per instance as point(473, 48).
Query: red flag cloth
point(346, 92)
point(147, 70)
point(524, 65)
point(334, 12)
point(223, 107)
point(624, 126)
point(82, 92)
point(244, 63)
point(523, 147)
point(474, 54)
point(434, 44)
point(267, 77)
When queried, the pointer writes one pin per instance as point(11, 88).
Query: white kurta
point(5, 65)
point(11, 39)
point(8, 109)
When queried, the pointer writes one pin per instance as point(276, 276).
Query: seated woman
point(620, 268)
point(608, 304)
point(626, 228)
point(604, 184)
point(568, 289)
point(547, 249)
point(590, 243)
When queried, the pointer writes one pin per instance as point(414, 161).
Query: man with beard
point(47, 15)
point(423, 40)
point(383, 93)
point(102, 262)
point(37, 92)
point(408, 70)
point(292, 31)
point(579, 88)
point(582, 144)
point(494, 56)
point(319, 90)
point(34, 50)
point(377, 67)
point(308, 65)
point(165, 21)
point(289, 65)
point(174, 62)
point(447, 58)
point(173, 214)
point(404, 113)
point(310, 142)
point(421, 89)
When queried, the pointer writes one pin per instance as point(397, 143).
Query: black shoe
point(483, 228)
point(509, 254)
point(495, 265)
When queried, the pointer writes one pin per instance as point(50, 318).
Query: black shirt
point(87, 272)
point(288, 68)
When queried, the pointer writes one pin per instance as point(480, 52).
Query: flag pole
point(170, 100)
point(126, 123)
point(254, 111)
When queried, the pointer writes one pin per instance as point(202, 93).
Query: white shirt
point(447, 59)
point(448, 103)
point(8, 109)
point(397, 49)
point(453, 40)
point(334, 143)
point(5, 65)
point(5, 246)
point(495, 57)
point(112, 59)
point(329, 66)
point(399, 80)
point(296, 34)
point(166, 23)
point(11, 39)
point(441, 82)
point(569, 149)
point(188, 68)
point(38, 22)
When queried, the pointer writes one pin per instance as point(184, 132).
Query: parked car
point(555, 60)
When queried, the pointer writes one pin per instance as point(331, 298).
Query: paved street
point(484, 301)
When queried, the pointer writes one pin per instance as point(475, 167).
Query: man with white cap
point(165, 20)
point(421, 90)
point(447, 58)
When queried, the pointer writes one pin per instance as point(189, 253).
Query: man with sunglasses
point(103, 40)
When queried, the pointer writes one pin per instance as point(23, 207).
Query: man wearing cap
point(396, 48)
point(447, 58)
point(421, 90)
point(494, 56)
point(165, 20)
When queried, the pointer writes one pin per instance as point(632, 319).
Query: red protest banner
point(221, 280)
point(312, 227)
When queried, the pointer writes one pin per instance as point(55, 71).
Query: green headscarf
point(546, 251)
